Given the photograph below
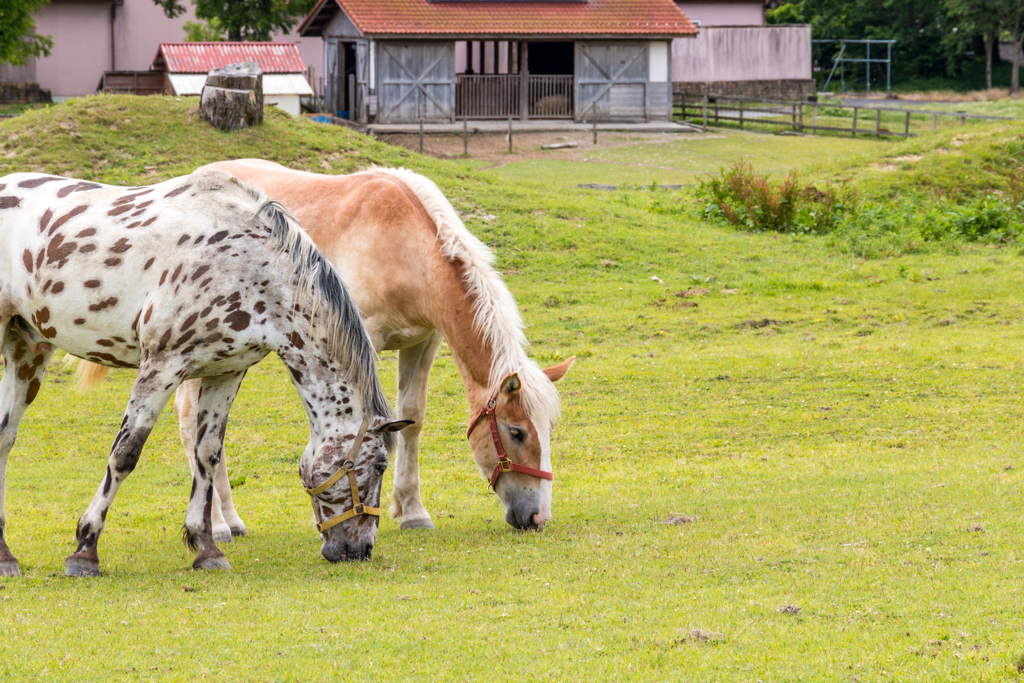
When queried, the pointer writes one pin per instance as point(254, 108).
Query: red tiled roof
point(198, 58)
point(420, 17)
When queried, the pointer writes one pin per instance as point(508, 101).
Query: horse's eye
point(380, 468)
point(517, 433)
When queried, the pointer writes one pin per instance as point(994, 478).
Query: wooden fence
point(490, 96)
point(796, 117)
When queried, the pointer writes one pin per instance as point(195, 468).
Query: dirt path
point(493, 148)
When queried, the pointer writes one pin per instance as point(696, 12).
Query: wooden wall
point(613, 81)
point(416, 81)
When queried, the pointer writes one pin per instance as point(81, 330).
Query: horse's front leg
point(23, 375)
point(226, 522)
point(414, 365)
point(215, 398)
point(153, 387)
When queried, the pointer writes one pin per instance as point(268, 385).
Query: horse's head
point(509, 424)
point(343, 473)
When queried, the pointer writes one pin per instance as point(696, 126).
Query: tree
point(917, 26)
point(18, 43)
point(1011, 19)
point(974, 17)
point(242, 19)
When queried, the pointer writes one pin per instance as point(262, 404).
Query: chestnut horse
point(440, 284)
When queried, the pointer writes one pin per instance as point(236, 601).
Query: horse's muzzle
point(524, 515)
point(342, 551)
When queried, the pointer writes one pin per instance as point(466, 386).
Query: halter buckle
point(358, 509)
point(506, 465)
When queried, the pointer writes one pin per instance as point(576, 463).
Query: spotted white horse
point(199, 277)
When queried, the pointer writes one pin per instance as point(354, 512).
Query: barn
point(181, 68)
point(402, 61)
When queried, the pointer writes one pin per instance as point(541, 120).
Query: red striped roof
point(448, 18)
point(198, 58)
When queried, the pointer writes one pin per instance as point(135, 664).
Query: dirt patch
point(493, 147)
point(789, 609)
point(908, 157)
point(676, 519)
point(690, 293)
point(701, 636)
point(757, 324)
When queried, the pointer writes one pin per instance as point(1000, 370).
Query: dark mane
point(321, 290)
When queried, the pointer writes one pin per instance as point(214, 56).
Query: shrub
point(752, 201)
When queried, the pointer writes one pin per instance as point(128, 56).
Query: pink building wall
point(726, 13)
point(81, 32)
point(744, 53)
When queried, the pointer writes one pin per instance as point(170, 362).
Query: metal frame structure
point(840, 60)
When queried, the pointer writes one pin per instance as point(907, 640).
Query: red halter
point(504, 464)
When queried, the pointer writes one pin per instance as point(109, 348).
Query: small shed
point(284, 79)
point(401, 61)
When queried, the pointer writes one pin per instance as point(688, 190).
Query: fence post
point(793, 117)
point(509, 134)
point(815, 118)
point(935, 117)
point(465, 137)
point(963, 120)
point(705, 111)
point(801, 117)
point(741, 114)
point(878, 123)
point(421, 136)
point(716, 111)
point(853, 131)
point(906, 127)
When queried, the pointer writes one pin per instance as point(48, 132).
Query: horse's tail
point(88, 375)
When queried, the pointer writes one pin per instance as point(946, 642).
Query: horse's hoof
point(222, 535)
point(211, 563)
point(10, 569)
point(81, 568)
point(417, 524)
point(239, 531)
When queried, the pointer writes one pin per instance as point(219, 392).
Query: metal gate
point(417, 82)
point(612, 80)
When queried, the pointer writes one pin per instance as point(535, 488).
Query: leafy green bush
point(752, 201)
point(904, 224)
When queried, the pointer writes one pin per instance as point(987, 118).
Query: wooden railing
point(497, 96)
point(802, 117)
point(551, 97)
point(486, 96)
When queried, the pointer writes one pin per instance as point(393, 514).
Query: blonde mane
point(495, 313)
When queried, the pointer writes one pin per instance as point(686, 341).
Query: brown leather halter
point(348, 468)
point(504, 464)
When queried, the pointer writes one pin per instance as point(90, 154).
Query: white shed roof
point(273, 84)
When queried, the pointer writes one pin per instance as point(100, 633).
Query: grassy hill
point(778, 460)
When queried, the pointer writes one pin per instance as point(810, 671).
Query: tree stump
point(232, 97)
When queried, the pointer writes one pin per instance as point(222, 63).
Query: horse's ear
point(557, 372)
point(510, 385)
point(391, 425)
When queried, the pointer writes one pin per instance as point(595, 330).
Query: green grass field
point(785, 463)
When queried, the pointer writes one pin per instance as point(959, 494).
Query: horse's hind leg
point(215, 398)
point(414, 365)
point(153, 387)
point(226, 522)
point(23, 375)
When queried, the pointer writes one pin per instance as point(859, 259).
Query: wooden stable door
point(417, 82)
point(612, 80)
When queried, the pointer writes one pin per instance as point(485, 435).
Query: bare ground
point(493, 147)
